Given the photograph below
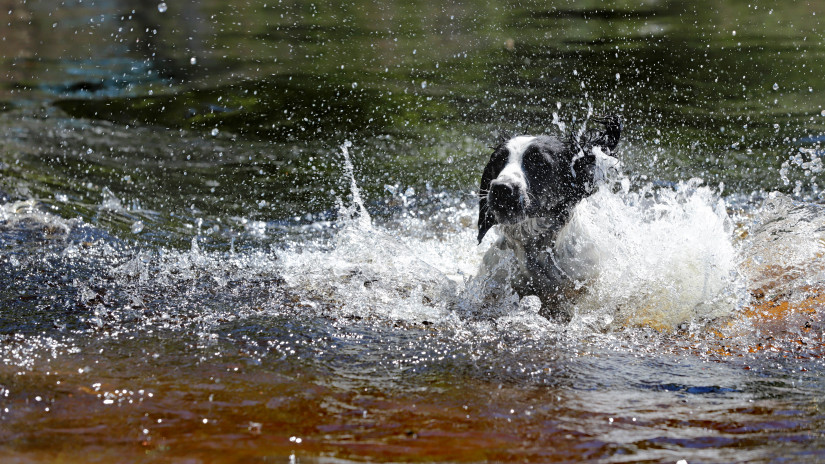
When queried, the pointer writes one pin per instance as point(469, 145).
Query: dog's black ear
point(609, 137)
point(485, 219)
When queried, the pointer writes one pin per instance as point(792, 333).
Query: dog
point(529, 189)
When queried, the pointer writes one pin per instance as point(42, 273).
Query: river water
point(245, 231)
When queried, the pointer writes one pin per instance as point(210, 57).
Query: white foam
point(370, 271)
point(656, 257)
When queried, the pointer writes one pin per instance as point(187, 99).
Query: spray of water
point(650, 256)
point(357, 209)
point(370, 272)
point(657, 256)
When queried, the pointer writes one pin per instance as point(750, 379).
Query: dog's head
point(543, 176)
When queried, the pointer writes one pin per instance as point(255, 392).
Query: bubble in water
point(215, 132)
point(162, 7)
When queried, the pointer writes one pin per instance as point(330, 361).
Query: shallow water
point(247, 233)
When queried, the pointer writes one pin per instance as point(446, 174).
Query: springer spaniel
point(529, 189)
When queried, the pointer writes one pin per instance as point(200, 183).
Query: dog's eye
point(539, 158)
point(499, 157)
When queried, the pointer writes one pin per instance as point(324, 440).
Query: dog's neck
point(539, 232)
point(532, 231)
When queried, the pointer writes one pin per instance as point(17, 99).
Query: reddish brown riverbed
point(114, 407)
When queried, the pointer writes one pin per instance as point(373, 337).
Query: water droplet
point(215, 132)
point(137, 227)
point(162, 7)
point(775, 86)
point(193, 60)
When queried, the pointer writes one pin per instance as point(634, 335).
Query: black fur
point(564, 170)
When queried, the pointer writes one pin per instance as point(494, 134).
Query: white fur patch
point(512, 172)
point(517, 146)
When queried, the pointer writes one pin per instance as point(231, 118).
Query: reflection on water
point(192, 269)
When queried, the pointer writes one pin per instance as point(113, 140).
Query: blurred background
point(258, 94)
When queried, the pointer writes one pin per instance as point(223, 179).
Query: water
point(241, 232)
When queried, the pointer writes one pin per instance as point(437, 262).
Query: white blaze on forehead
point(517, 146)
point(512, 171)
point(512, 174)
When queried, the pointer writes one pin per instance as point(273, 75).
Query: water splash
point(357, 209)
point(30, 212)
point(368, 271)
point(657, 257)
point(782, 254)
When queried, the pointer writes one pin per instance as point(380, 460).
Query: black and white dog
point(529, 189)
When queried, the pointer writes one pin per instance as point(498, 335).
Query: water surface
point(245, 232)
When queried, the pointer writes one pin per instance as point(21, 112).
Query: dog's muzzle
point(506, 201)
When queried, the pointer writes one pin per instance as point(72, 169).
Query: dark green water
point(162, 165)
point(420, 88)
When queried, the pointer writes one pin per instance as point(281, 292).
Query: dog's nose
point(504, 196)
